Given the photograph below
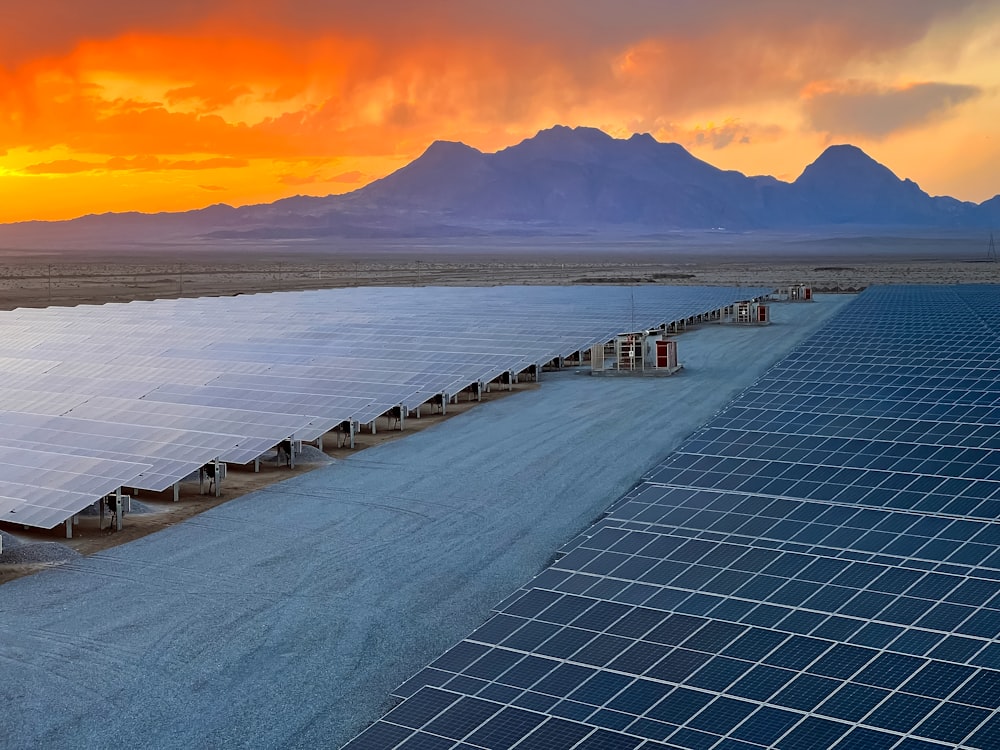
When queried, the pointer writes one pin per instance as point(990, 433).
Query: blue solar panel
point(818, 567)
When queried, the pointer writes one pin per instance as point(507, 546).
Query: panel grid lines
point(818, 567)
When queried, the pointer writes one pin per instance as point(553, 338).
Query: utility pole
point(50, 285)
point(991, 251)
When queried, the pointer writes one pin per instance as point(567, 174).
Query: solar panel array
point(145, 393)
point(818, 567)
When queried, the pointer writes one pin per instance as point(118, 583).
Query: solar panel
point(193, 368)
point(792, 577)
point(42, 488)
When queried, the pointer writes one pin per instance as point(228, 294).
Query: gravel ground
point(284, 618)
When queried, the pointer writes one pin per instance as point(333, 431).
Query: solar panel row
point(808, 571)
point(165, 387)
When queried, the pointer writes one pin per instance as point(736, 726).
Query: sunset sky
point(116, 105)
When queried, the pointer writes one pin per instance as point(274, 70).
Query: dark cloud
point(47, 27)
point(44, 27)
point(856, 108)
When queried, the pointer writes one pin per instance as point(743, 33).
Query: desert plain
point(284, 613)
point(69, 274)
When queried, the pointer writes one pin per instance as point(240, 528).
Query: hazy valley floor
point(66, 275)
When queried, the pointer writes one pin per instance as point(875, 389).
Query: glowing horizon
point(178, 107)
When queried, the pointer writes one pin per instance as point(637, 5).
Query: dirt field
point(70, 276)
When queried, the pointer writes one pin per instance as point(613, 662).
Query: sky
point(114, 105)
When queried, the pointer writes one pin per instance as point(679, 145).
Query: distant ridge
point(562, 180)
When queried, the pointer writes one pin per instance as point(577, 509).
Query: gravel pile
point(37, 552)
point(310, 454)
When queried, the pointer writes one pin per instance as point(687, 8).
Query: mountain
point(562, 180)
point(578, 177)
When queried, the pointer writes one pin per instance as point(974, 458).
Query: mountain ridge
point(564, 180)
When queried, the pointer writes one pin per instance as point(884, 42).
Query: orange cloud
point(353, 177)
point(350, 177)
point(62, 166)
point(284, 90)
point(139, 164)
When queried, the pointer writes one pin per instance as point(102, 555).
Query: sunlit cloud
point(326, 95)
point(136, 164)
